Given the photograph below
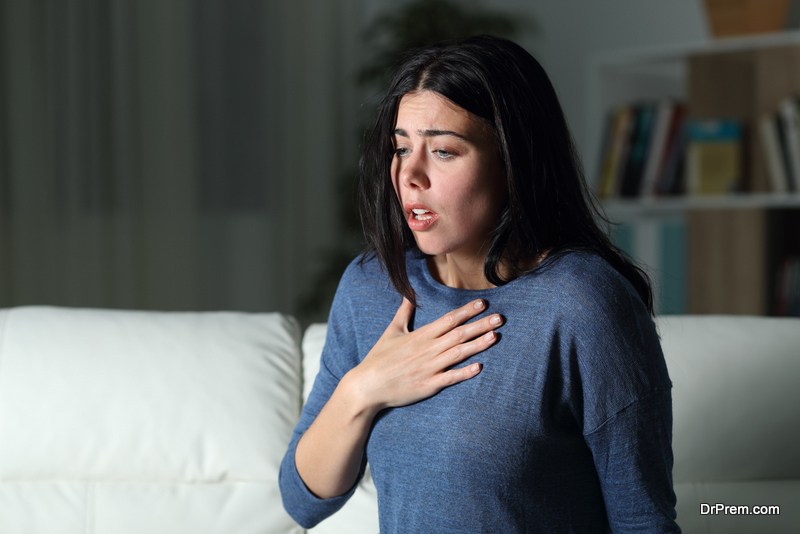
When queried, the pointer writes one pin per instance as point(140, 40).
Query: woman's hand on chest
point(405, 367)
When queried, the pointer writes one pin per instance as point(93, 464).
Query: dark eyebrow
point(430, 133)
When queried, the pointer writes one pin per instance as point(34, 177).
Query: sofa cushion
point(127, 421)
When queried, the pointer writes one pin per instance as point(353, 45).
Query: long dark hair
point(550, 209)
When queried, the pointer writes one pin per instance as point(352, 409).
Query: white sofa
point(116, 422)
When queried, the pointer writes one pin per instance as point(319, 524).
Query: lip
point(414, 224)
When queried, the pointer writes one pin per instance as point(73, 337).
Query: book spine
point(668, 181)
point(627, 146)
point(638, 154)
point(655, 154)
point(771, 145)
point(788, 114)
point(605, 150)
point(622, 126)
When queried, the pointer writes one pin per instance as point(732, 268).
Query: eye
point(443, 154)
point(400, 152)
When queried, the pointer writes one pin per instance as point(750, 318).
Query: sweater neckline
point(420, 265)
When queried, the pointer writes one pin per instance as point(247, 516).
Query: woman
point(492, 354)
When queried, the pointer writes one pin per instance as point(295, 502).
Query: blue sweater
point(567, 428)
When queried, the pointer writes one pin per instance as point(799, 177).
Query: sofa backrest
point(115, 422)
point(736, 413)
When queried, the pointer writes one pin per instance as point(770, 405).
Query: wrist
point(355, 396)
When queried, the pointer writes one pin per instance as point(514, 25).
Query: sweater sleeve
point(633, 456)
point(626, 402)
point(339, 355)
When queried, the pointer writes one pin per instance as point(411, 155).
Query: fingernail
point(495, 320)
point(489, 336)
point(475, 367)
point(478, 305)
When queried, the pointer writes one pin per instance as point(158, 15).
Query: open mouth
point(420, 218)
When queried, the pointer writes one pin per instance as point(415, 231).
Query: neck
point(467, 273)
point(462, 273)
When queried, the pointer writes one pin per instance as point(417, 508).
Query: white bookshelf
point(716, 266)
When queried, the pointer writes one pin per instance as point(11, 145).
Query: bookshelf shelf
point(625, 209)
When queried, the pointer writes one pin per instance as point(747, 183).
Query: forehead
point(430, 110)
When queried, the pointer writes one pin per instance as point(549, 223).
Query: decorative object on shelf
point(714, 156)
point(729, 18)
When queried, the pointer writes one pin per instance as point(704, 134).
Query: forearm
point(329, 455)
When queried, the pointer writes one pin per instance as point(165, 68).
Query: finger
point(451, 320)
point(454, 376)
point(469, 331)
point(461, 352)
point(403, 316)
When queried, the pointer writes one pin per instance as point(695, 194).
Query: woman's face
point(447, 175)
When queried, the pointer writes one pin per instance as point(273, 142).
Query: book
point(617, 151)
point(659, 247)
point(788, 118)
point(672, 273)
point(787, 294)
point(669, 179)
point(793, 16)
point(640, 141)
point(774, 152)
point(783, 143)
point(605, 149)
point(659, 140)
point(714, 163)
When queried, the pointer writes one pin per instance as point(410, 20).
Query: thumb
point(403, 316)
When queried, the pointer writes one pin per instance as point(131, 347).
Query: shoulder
point(593, 299)
point(363, 268)
point(587, 283)
point(363, 306)
point(364, 277)
point(589, 297)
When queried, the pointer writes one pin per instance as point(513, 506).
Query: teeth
point(419, 214)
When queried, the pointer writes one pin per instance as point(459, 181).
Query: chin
point(434, 249)
point(428, 249)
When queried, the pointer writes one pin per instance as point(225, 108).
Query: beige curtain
point(171, 154)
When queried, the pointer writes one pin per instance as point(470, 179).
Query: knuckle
point(449, 319)
point(456, 336)
point(454, 353)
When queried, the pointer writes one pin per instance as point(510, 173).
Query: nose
point(413, 173)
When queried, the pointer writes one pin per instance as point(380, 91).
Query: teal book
point(673, 268)
point(659, 247)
